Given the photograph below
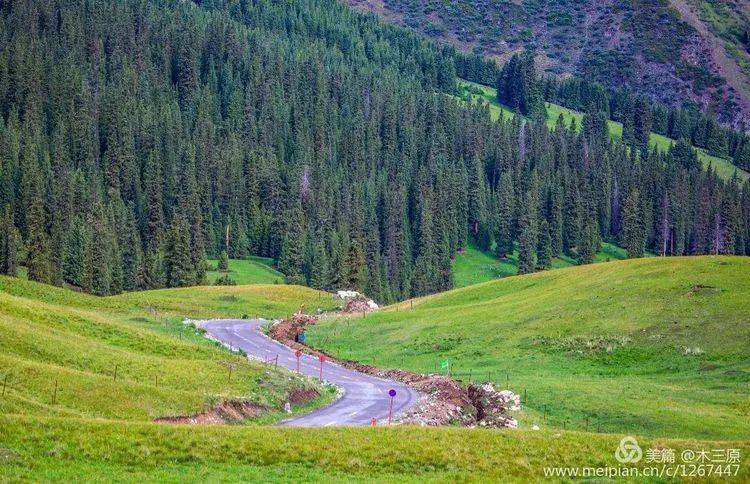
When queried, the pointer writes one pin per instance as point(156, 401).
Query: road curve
point(364, 396)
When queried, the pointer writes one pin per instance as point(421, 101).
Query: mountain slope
point(473, 92)
point(652, 346)
point(695, 52)
point(134, 134)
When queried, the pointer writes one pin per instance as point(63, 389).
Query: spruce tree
point(590, 242)
point(223, 264)
point(37, 239)
point(504, 216)
point(10, 243)
point(544, 249)
point(633, 234)
point(77, 246)
point(528, 238)
point(178, 264)
point(293, 243)
point(355, 265)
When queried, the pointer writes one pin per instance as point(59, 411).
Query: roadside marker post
point(391, 393)
point(321, 359)
point(298, 354)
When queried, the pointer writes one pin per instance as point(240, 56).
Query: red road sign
point(321, 358)
point(298, 353)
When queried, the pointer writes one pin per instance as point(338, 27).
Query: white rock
point(535, 427)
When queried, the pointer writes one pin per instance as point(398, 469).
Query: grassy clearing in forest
point(475, 266)
point(653, 346)
point(254, 270)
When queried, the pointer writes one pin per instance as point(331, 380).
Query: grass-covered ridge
point(55, 337)
point(650, 346)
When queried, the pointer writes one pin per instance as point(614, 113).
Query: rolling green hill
point(651, 346)
point(255, 270)
point(102, 428)
point(486, 94)
point(130, 357)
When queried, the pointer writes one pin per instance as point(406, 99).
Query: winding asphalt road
point(364, 396)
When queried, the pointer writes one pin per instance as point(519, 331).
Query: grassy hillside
point(475, 266)
point(255, 270)
point(724, 168)
point(651, 346)
point(63, 450)
point(102, 428)
point(52, 337)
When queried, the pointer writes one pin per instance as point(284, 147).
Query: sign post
point(298, 354)
point(391, 393)
point(321, 359)
point(446, 365)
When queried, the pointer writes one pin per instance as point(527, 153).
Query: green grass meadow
point(597, 346)
point(254, 270)
point(64, 450)
point(724, 168)
point(130, 357)
point(653, 346)
point(475, 266)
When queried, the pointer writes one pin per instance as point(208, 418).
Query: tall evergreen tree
point(10, 243)
point(544, 249)
point(529, 231)
point(633, 234)
point(504, 216)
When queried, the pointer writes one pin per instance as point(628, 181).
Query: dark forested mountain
point(134, 134)
point(680, 52)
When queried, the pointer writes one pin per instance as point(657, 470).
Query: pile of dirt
point(444, 402)
point(226, 412)
point(286, 330)
point(301, 396)
point(359, 305)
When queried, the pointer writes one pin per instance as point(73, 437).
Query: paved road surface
point(364, 396)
